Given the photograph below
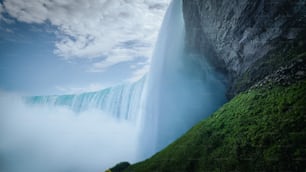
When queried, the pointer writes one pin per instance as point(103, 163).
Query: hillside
point(263, 129)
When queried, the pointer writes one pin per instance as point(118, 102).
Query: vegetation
point(259, 130)
point(119, 167)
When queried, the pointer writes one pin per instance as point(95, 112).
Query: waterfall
point(181, 88)
point(121, 102)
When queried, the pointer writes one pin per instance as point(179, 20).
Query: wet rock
point(300, 73)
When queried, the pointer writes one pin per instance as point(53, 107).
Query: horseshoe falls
point(130, 122)
point(121, 102)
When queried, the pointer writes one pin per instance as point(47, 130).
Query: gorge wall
point(242, 38)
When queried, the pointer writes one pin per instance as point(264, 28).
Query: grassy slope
point(258, 130)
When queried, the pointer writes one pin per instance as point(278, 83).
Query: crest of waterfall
point(122, 101)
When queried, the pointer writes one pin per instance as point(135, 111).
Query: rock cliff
point(236, 35)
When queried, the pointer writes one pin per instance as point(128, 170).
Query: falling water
point(181, 89)
point(122, 101)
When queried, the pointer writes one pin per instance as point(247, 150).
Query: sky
point(72, 46)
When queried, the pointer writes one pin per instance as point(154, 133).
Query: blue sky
point(65, 46)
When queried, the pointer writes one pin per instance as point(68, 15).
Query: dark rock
point(286, 75)
point(235, 35)
point(300, 73)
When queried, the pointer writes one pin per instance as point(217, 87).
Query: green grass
point(259, 130)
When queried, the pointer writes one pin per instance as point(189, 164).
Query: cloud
point(127, 52)
point(77, 90)
point(96, 28)
point(139, 72)
point(1, 10)
point(2, 17)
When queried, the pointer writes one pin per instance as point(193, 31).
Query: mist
point(57, 139)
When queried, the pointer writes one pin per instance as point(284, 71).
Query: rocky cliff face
point(236, 34)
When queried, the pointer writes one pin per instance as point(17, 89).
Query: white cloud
point(139, 71)
point(121, 54)
point(1, 10)
point(5, 19)
point(76, 90)
point(96, 28)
